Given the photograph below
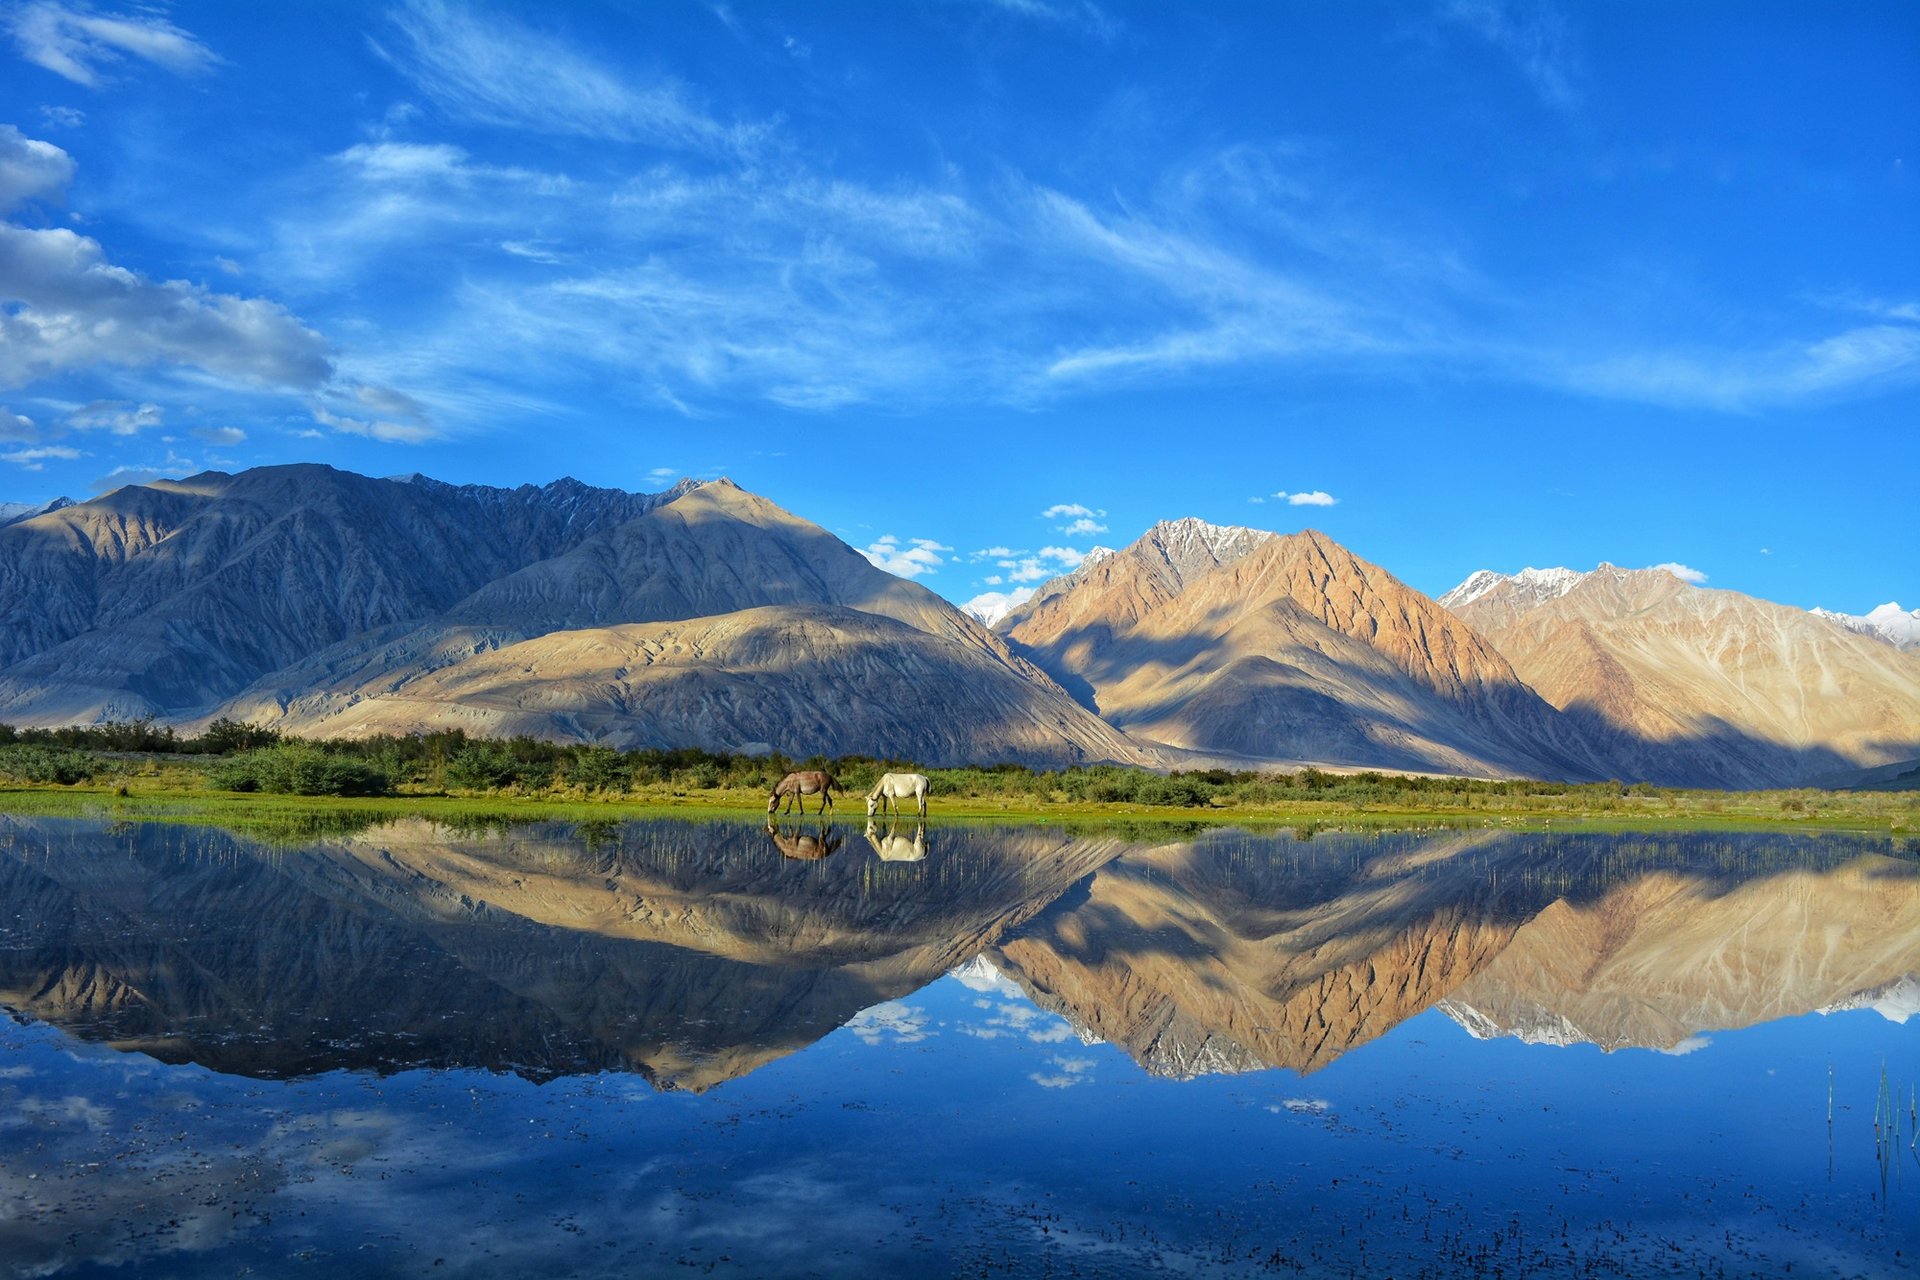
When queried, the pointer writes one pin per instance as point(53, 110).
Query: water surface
point(647, 1046)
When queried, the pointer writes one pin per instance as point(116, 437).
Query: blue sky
point(979, 284)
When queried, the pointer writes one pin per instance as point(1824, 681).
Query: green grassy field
point(160, 790)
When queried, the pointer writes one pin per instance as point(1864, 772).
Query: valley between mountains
point(329, 604)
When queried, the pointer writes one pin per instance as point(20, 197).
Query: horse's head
point(773, 802)
point(872, 803)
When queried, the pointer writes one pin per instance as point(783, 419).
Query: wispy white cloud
point(1313, 498)
point(1857, 360)
point(81, 44)
point(1534, 33)
point(373, 411)
point(908, 559)
point(35, 459)
point(1079, 15)
point(172, 465)
point(1683, 572)
point(223, 436)
point(489, 69)
point(1217, 306)
point(15, 427)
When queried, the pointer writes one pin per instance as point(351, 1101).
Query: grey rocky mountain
point(327, 603)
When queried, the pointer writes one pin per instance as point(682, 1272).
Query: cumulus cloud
point(225, 436)
point(894, 1021)
point(1068, 1072)
point(118, 417)
point(30, 169)
point(1025, 566)
point(991, 606)
point(908, 559)
point(1085, 520)
point(1315, 498)
point(1682, 572)
point(80, 44)
point(74, 308)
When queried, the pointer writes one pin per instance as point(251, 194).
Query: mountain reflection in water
point(694, 952)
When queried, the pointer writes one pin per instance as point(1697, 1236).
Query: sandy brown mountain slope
point(1293, 649)
point(1693, 686)
point(802, 679)
point(717, 619)
point(1222, 957)
point(1664, 957)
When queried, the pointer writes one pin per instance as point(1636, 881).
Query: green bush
point(299, 769)
point(482, 766)
point(28, 762)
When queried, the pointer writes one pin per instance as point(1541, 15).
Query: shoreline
point(1796, 811)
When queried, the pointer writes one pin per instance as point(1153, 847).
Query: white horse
point(898, 848)
point(896, 787)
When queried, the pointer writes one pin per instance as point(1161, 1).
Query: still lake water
point(683, 1047)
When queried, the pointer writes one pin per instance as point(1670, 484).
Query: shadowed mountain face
point(164, 599)
point(1293, 649)
point(326, 603)
point(1691, 686)
point(690, 955)
point(693, 953)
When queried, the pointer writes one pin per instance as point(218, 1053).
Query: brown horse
point(798, 786)
point(806, 848)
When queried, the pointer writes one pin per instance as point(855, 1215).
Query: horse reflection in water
point(803, 845)
point(894, 847)
point(897, 787)
point(799, 785)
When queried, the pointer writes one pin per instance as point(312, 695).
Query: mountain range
point(695, 952)
point(331, 604)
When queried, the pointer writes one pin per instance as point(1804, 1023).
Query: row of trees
point(251, 758)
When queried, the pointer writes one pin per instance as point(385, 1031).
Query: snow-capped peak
point(1534, 586)
point(1221, 542)
point(1890, 623)
point(989, 607)
point(14, 512)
